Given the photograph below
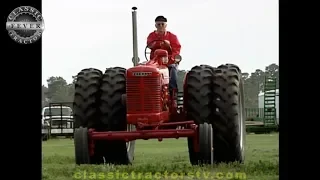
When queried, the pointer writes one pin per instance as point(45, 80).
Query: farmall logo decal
point(142, 73)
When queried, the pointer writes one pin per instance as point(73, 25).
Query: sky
point(98, 33)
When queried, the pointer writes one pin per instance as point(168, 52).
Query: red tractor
point(114, 108)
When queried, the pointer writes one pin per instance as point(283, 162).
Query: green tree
point(59, 90)
point(44, 91)
point(254, 83)
point(273, 71)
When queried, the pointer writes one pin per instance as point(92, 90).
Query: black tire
point(198, 105)
point(86, 106)
point(44, 137)
point(114, 114)
point(229, 116)
point(206, 144)
point(81, 146)
point(86, 98)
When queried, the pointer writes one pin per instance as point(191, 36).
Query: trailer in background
point(261, 104)
point(265, 118)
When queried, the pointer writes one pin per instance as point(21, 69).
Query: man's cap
point(160, 18)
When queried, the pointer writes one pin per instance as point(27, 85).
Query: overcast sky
point(98, 33)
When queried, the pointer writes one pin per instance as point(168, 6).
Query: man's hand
point(152, 45)
point(167, 42)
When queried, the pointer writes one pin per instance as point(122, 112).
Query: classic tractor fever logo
point(25, 25)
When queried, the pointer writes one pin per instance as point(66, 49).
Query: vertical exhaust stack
point(135, 58)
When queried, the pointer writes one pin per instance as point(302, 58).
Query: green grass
point(166, 158)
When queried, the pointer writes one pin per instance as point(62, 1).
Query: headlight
point(177, 58)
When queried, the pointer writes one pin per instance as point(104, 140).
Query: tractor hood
point(148, 70)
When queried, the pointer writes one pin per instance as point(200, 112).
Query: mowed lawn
point(164, 160)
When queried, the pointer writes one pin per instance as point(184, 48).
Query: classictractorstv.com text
point(157, 175)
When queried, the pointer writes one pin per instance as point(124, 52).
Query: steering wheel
point(147, 47)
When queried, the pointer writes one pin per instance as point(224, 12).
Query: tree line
point(58, 90)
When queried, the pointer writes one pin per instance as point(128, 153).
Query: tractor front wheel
point(81, 145)
point(205, 143)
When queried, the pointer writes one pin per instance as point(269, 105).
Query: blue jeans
point(173, 73)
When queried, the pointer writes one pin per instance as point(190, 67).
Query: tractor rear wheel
point(86, 107)
point(86, 98)
point(229, 117)
point(114, 115)
point(198, 102)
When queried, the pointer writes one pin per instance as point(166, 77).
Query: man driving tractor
point(170, 43)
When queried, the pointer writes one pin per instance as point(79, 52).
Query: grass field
point(167, 159)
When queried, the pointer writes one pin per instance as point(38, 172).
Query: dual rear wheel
point(214, 100)
point(98, 105)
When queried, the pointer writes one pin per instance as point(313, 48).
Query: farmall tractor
point(117, 107)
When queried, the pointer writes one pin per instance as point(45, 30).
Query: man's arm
point(149, 40)
point(175, 44)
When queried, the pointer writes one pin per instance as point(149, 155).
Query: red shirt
point(172, 38)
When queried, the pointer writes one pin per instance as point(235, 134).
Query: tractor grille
point(143, 95)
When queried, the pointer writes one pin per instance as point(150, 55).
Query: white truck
point(59, 119)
